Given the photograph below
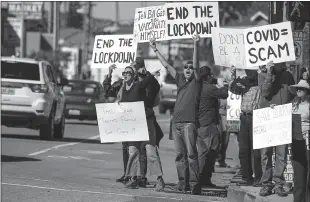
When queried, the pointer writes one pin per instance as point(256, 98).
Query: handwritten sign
point(113, 49)
point(233, 107)
point(150, 22)
point(228, 47)
point(122, 122)
point(269, 42)
point(187, 19)
point(272, 127)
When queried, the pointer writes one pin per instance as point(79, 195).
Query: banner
point(122, 122)
point(113, 49)
point(187, 19)
point(228, 47)
point(233, 107)
point(150, 22)
point(269, 42)
point(272, 127)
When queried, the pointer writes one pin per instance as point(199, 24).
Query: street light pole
point(23, 34)
point(55, 27)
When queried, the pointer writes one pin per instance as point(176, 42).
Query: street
point(79, 168)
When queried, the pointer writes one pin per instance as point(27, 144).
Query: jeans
point(224, 141)
point(280, 165)
point(185, 136)
point(301, 167)
point(208, 144)
point(250, 159)
point(125, 148)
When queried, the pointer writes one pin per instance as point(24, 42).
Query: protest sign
point(272, 127)
point(233, 107)
point(228, 47)
point(298, 38)
point(187, 19)
point(113, 49)
point(150, 22)
point(269, 43)
point(122, 122)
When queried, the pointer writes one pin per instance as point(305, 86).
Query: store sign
point(28, 10)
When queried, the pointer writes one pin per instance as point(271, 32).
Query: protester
point(248, 88)
point(208, 133)
point(275, 91)
point(184, 120)
point(304, 75)
point(300, 141)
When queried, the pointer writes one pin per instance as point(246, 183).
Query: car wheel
point(162, 109)
point(47, 130)
point(60, 128)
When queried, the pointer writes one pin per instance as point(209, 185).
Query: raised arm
point(163, 61)
point(196, 39)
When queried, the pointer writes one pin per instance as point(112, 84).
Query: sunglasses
point(126, 73)
point(188, 67)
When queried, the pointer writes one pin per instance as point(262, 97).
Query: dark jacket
point(275, 88)
point(111, 90)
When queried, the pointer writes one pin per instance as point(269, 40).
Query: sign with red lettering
point(269, 43)
point(113, 49)
point(150, 22)
point(187, 19)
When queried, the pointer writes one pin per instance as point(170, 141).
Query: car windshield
point(20, 70)
point(79, 88)
point(169, 79)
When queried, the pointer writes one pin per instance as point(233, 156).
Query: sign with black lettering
point(272, 127)
point(269, 42)
point(150, 22)
point(233, 107)
point(228, 47)
point(187, 19)
point(298, 38)
point(113, 49)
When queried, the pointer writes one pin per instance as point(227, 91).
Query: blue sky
point(126, 9)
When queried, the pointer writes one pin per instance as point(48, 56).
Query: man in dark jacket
point(208, 120)
point(275, 92)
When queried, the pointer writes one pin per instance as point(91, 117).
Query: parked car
point(167, 94)
point(81, 97)
point(32, 97)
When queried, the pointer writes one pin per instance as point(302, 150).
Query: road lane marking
point(76, 158)
point(90, 192)
point(59, 146)
point(94, 152)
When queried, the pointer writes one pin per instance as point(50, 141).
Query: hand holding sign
point(153, 43)
point(269, 65)
point(111, 69)
point(196, 38)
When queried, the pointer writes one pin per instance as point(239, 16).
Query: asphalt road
point(79, 168)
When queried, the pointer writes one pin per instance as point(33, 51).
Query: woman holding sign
point(300, 141)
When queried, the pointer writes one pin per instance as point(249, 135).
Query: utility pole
point(23, 34)
point(56, 27)
point(87, 27)
point(50, 17)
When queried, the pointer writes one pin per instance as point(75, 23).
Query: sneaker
point(121, 179)
point(160, 184)
point(196, 190)
point(245, 183)
point(208, 184)
point(266, 190)
point(143, 182)
point(181, 187)
point(132, 184)
point(280, 192)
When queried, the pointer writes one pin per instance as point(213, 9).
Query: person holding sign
point(184, 120)
point(275, 91)
point(248, 88)
point(208, 139)
point(300, 141)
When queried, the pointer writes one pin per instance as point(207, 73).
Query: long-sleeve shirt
point(209, 103)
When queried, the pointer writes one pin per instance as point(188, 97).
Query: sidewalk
point(250, 194)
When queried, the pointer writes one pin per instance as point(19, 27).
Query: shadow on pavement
point(65, 139)
point(5, 158)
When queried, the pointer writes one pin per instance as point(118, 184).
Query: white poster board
point(272, 127)
point(185, 19)
point(233, 107)
point(228, 47)
point(269, 42)
point(122, 122)
point(150, 22)
point(113, 49)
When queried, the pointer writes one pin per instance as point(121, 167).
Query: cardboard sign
point(150, 22)
point(272, 127)
point(113, 49)
point(233, 107)
point(228, 47)
point(187, 19)
point(269, 42)
point(298, 38)
point(122, 122)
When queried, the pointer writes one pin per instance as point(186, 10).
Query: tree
point(74, 19)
